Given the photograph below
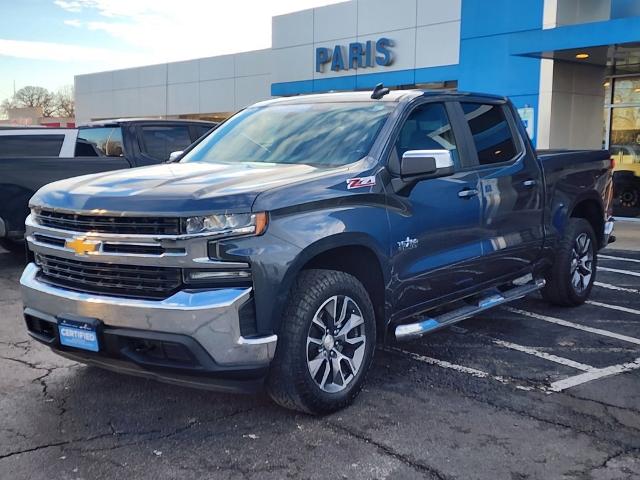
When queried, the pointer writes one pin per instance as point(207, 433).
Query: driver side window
point(427, 128)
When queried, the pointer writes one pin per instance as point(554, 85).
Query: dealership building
point(572, 67)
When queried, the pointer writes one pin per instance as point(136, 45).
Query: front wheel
point(325, 344)
point(570, 279)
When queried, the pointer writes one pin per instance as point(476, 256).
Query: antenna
point(379, 92)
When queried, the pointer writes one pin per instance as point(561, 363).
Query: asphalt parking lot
point(523, 392)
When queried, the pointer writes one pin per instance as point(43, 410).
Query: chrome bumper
point(210, 317)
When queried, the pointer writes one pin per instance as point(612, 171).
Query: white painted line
point(617, 270)
point(622, 259)
point(614, 307)
point(577, 326)
point(458, 368)
point(615, 287)
point(627, 219)
point(596, 374)
point(546, 356)
point(442, 363)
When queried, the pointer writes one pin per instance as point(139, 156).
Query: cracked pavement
point(64, 420)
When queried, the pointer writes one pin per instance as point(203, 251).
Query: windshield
point(322, 134)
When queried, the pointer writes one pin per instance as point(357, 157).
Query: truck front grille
point(108, 279)
point(109, 224)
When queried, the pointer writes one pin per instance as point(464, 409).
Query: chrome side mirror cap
point(173, 156)
point(418, 164)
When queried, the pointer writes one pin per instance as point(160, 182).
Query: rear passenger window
point(491, 132)
point(160, 141)
point(99, 142)
point(30, 145)
point(427, 128)
point(202, 129)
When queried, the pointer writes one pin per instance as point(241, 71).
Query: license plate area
point(78, 332)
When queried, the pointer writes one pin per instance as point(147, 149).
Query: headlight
point(228, 224)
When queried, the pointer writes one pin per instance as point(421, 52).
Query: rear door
point(511, 190)
point(435, 227)
point(96, 150)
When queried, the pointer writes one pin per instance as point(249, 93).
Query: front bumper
point(206, 322)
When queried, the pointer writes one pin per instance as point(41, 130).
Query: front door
point(435, 223)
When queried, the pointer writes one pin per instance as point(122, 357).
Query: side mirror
point(419, 164)
point(173, 156)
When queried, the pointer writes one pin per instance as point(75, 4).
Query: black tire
point(560, 289)
point(290, 382)
point(14, 246)
point(627, 200)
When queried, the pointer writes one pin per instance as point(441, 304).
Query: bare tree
point(6, 105)
point(64, 102)
point(31, 96)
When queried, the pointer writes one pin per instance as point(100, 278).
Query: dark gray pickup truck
point(32, 157)
point(303, 232)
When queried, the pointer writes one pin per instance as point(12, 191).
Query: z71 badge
point(360, 182)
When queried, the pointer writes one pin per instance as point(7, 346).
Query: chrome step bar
point(410, 331)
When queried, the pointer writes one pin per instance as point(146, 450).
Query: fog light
point(195, 276)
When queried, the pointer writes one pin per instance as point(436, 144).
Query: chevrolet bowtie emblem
point(82, 246)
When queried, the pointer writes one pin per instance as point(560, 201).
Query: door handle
point(468, 193)
point(529, 183)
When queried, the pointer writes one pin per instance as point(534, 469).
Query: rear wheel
point(325, 344)
point(628, 200)
point(570, 279)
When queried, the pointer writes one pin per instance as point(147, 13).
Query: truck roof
point(365, 96)
point(122, 121)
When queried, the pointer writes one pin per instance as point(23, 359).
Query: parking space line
point(623, 259)
point(441, 363)
point(617, 270)
point(615, 287)
point(595, 374)
point(577, 326)
point(614, 307)
point(458, 368)
point(546, 356)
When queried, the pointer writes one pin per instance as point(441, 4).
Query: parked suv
point(31, 158)
point(301, 233)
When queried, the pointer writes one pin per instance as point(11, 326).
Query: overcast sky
point(47, 42)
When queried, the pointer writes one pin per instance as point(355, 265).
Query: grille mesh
point(122, 280)
point(110, 224)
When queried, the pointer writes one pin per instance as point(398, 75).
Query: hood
point(174, 189)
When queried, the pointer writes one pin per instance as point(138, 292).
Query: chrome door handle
point(529, 183)
point(468, 193)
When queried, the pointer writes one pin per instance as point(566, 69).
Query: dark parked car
point(302, 232)
point(31, 158)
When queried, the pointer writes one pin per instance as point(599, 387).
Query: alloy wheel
point(336, 343)
point(581, 263)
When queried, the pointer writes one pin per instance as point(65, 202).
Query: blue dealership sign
point(355, 55)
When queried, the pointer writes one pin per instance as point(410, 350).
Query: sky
point(47, 42)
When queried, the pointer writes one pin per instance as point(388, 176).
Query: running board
point(414, 330)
